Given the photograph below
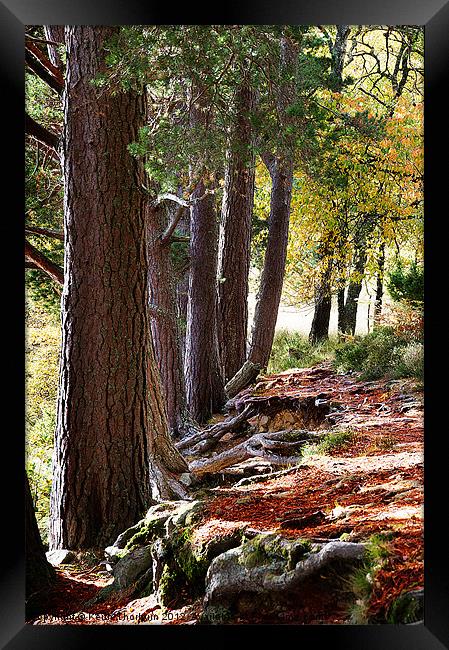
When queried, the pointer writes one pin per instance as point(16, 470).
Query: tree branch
point(167, 236)
point(47, 232)
point(42, 71)
point(41, 134)
point(55, 272)
point(48, 65)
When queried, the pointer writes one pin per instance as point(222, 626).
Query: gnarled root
point(269, 446)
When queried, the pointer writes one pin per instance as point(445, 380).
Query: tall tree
point(204, 380)
point(323, 294)
point(112, 447)
point(164, 316)
point(235, 236)
point(280, 166)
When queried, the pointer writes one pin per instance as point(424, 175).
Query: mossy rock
point(271, 548)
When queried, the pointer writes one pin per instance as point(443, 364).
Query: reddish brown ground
point(371, 485)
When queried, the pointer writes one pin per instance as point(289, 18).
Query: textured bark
point(272, 278)
point(112, 447)
point(164, 320)
point(204, 381)
point(242, 378)
point(235, 239)
point(39, 573)
point(182, 288)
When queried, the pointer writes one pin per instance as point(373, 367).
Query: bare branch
point(55, 272)
point(46, 232)
point(41, 134)
point(44, 72)
point(168, 234)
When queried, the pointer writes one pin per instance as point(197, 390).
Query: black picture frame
point(434, 16)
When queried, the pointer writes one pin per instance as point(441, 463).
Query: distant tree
point(407, 284)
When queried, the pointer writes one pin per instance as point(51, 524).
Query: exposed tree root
point(269, 446)
point(228, 577)
point(243, 378)
point(205, 440)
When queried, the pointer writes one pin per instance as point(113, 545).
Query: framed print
point(226, 223)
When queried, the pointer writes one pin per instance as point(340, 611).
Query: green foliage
point(43, 192)
point(335, 440)
point(293, 350)
point(42, 349)
point(360, 582)
point(405, 609)
point(407, 284)
point(379, 354)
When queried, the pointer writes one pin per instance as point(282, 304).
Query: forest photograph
point(224, 318)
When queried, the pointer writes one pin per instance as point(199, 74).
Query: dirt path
point(369, 484)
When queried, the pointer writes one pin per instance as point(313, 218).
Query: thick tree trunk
point(39, 573)
point(204, 381)
point(112, 446)
point(272, 278)
point(164, 320)
point(235, 239)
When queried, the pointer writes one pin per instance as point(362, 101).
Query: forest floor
point(367, 481)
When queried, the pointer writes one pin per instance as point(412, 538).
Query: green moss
point(263, 549)
point(167, 586)
point(146, 534)
point(191, 561)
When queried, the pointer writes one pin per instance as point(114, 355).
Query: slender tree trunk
point(182, 289)
point(164, 320)
point(319, 330)
point(281, 172)
point(379, 284)
point(270, 290)
point(39, 573)
point(54, 33)
point(323, 301)
point(355, 283)
point(341, 309)
point(204, 381)
point(112, 446)
point(235, 239)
